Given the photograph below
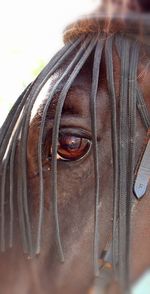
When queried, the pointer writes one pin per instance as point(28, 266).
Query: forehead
point(77, 99)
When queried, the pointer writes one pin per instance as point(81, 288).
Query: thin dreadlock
point(14, 134)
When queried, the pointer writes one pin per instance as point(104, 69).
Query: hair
point(14, 138)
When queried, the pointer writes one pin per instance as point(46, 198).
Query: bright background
point(30, 33)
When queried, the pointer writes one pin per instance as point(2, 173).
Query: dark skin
point(44, 273)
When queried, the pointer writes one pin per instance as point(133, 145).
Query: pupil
point(70, 142)
point(71, 147)
point(74, 144)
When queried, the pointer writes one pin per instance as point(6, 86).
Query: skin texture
point(44, 273)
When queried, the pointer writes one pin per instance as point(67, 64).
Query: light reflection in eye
point(72, 147)
point(73, 144)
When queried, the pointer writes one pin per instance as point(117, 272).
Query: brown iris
point(71, 147)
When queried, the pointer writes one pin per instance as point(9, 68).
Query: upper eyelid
point(72, 131)
point(78, 132)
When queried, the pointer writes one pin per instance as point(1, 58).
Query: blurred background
point(30, 34)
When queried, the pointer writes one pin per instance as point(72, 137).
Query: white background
point(30, 33)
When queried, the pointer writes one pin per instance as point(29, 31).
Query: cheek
point(76, 195)
point(76, 198)
point(106, 190)
point(75, 189)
